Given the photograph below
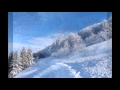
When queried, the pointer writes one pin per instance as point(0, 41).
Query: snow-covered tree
point(23, 58)
point(94, 38)
point(30, 57)
point(10, 56)
point(10, 64)
point(65, 45)
point(106, 32)
point(76, 42)
point(17, 66)
point(64, 49)
point(105, 35)
point(14, 65)
point(97, 33)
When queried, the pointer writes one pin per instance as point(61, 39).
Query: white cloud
point(18, 46)
point(42, 42)
point(57, 35)
point(36, 43)
point(10, 45)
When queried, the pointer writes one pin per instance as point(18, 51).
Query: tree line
point(17, 63)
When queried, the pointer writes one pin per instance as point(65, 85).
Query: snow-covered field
point(94, 61)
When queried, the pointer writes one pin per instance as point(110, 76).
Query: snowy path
point(94, 61)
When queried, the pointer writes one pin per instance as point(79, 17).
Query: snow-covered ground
point(94, 61)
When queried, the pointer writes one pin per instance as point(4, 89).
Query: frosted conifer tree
point(17, 66)
point(14, 66)
point(10, 64)
point(30, 57)
point(15, 63)
point(23, 58)
point(76, 42)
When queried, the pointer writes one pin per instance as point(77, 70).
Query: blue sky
point(37, 30)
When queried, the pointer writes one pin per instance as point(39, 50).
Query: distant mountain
point(90, 35)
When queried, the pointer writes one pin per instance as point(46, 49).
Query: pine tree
point(10, 64)
point(10, 58)
point(17, 64)
point(23, 58)
point(76, 42)
point(13, 64)
point(30, 57)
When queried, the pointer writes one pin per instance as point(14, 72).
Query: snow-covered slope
point(97, 33)
point(90, 35)
point(94, 61)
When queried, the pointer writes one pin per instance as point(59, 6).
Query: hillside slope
point(94, 61)
point(90, 35)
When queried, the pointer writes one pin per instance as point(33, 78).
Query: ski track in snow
point(94, 62)
point(57, 66)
